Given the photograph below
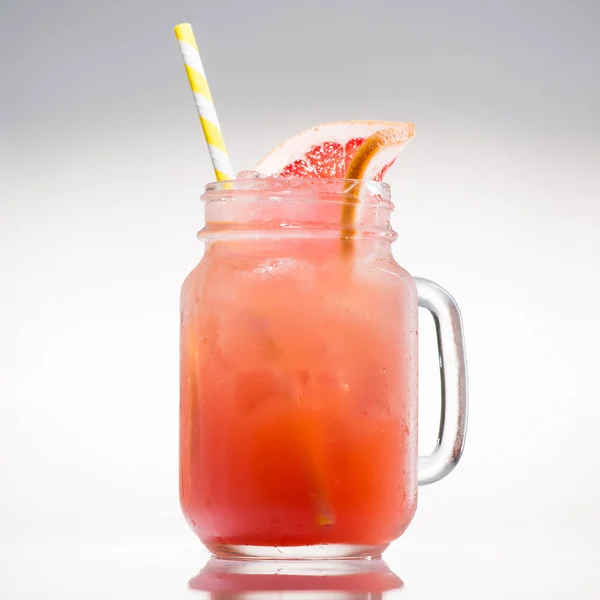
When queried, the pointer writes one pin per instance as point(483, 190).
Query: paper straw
point(224, 171)
point(204, 102)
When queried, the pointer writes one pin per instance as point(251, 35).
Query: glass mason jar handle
point(453, 372)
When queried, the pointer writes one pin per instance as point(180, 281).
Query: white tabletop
point(101, 166)
point(162, 570)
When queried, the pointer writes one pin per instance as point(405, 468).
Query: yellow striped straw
point(204, 102)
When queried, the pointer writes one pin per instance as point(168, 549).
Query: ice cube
point(251, 175)
point(277, 266)
point(255, 388)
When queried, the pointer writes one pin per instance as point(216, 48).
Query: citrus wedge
point(371, 161)
point(327, 151)
point(352, 150)
point(379, 151)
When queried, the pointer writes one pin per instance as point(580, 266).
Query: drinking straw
point(204, 102)
point(224, 172)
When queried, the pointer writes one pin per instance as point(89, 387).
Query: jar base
point(313, 552)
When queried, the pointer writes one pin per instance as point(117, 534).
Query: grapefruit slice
point(327, 151)
point(371, 161)
point(351, 150)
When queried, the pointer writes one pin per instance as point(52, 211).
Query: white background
point(498, 200)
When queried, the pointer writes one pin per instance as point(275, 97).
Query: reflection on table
point(327, 580)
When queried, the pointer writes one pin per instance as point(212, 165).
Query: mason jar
point(299, 357)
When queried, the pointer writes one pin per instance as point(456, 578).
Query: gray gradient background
point(498, 200)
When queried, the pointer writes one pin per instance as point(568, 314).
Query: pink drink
point(298, 377)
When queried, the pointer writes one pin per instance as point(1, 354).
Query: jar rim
point(371, 192)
